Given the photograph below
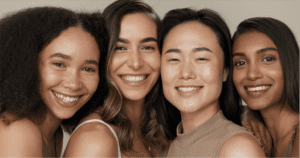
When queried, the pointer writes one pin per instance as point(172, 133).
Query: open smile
point(132, 78)
point(257, 88)
point(64, 98)
point(187, 89)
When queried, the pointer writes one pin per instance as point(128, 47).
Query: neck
point(135, 112)
point(280, 120)
point(192, 120)
point(49, 126)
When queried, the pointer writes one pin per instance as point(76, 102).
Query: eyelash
point(120, 48)
point(59, 64)
point(266, 59)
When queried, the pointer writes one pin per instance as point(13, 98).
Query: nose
point(135, 60)
point(254, 72)
point(187, 71)
point(72, 81)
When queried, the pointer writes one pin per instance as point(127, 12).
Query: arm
point(21, 138)
point(92, 140)
point(241, 145)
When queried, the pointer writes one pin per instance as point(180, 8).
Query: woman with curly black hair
point(50, 61)
point(127, 124)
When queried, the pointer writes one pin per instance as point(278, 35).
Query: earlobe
point(225, 74)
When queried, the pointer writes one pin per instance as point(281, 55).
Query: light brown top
point(205, 140)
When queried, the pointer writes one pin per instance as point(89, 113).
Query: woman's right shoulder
point(93, 139)
point(20, 138)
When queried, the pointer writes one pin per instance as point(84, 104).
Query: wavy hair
point(23, 35)
point(288, 50)
point(113, 111)
point(229, 102)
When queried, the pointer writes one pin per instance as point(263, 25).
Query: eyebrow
point(258, 51)
point(60, 55)
point(197, 49)
point(64, 56)
point(148, 39)
point(91, 62)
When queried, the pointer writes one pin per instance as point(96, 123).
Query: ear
point(225, 74)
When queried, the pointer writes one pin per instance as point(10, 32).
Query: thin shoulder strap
point(101, 121)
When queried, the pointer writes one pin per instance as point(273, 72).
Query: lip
point(66, 104)
point(188, 90)
point(257, 90)
point(134, 79)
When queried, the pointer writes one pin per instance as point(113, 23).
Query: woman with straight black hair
point(196, 56)
point(51, 63)
point(266, 76)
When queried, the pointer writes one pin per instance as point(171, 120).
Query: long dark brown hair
point(113, 110)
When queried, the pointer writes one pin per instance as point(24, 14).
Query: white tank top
point(100, 121)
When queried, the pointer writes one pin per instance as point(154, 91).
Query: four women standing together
point(101, 73)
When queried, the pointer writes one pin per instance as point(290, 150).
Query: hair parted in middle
point(113, 111)
point(229, 102)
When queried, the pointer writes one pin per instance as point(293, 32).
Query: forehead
point(73, 42)
point(252, 41)
point(137, 25)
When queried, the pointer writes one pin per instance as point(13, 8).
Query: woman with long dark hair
point(126, 125)
point(266, 76)
point(196, 56)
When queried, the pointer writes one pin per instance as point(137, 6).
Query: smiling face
point(68, 69)
point(135, 64)
point(192, 68)
point(257, 73)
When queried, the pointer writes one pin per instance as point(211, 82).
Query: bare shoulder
point(295, 150)
point(92, 140)
point(20, 138)
point(241, 145)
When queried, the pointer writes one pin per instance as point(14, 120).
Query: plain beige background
point(233, 11)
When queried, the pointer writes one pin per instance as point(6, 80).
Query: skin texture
point(136, 54)
point(65, 67)
point(193, 59)
point(185, 65)
point(257, 63)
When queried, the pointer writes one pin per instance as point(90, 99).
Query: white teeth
point(134, 78)
point(65, 99)
point(260, 88)
point(187, 89)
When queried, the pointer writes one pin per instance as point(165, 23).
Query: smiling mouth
point(187, 89)
point(138, 78)
point(65, 99)
point(256, 89)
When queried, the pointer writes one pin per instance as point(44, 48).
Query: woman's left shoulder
point(241, 144)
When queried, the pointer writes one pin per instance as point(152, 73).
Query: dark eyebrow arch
point(173, 50)
point(61, 55)
point(266, 49)
point(258, 51)
point(91, 62)
point(123, 40)
point(202, 49)
point(149, 39)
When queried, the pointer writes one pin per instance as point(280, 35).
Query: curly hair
point(288, 50)
point(113, 111)
point(229, 102)
point(23, 35)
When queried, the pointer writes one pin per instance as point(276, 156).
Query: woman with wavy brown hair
point(126, 125)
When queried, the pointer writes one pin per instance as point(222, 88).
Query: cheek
point(91, 83)
point(168, 73)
